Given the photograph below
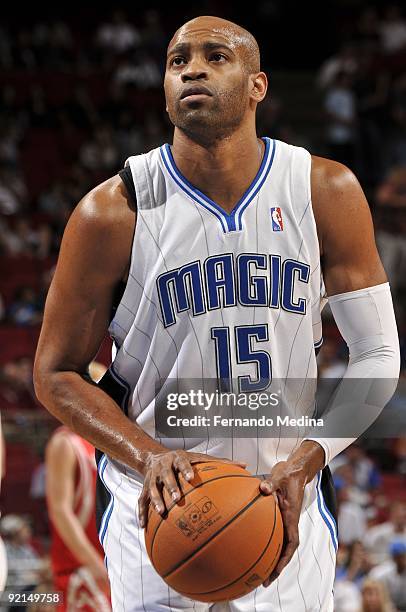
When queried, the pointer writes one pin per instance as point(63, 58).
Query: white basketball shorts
point(305, 585)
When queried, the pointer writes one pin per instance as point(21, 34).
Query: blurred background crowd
point(79, 93)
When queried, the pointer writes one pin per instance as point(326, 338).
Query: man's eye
point(217, 57)
point(178, 61)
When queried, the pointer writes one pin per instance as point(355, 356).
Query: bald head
point(240, 40)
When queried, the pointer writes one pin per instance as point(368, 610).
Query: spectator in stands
point(24, 563)
point(13, 191)
point(34, 242)
point(357, 564)
point(393, 30)
point(18, 238)
point(10, 244)
point(391, 221)
point(344, 61)
point(25, 308)
point(16, 386)
point(142, 72)
point(365, 473)
point(347, 597)
point(351, 516)
point(375, 597)
point(379, 538)
point(340, 107)
point(100, 152)
point(118, 35)
point(393, 574)
point(10, 137)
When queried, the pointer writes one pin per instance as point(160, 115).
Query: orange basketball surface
point(221, 540)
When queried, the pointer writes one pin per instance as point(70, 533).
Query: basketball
point(221, 540)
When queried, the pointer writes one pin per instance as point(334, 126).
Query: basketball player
point(76, 556)
point(216, 283)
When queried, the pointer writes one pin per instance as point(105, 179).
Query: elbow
point(44, 382)
point(40, 378)
point(381, 359)
point(390, 361)
point(59, 513)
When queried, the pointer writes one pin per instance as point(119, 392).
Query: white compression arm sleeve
point(366, 321)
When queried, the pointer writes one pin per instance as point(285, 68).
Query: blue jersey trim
point(319, 343)
point(243, 206)
point(121, 381)
point(108, 511)
point(230, 222)
point(325, 513)
point(177, 181)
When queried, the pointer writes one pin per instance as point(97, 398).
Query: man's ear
point(259, 86)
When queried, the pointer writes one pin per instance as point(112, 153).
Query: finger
point(206, 458)
point(234, 462)
point(184, 467)
point(271, 578)
point(286, 556)
point(201, 458)
point(143, 502)
point(156, 498)
point(266, 487)
point(291, 543)
point(167, 478)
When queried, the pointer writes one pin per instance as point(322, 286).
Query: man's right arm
point(94, 256)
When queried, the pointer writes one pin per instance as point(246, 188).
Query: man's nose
point(195, 70)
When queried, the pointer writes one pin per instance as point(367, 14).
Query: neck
point(222, 170)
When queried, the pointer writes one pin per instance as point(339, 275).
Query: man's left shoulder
point(329, 174)
point(335, 190)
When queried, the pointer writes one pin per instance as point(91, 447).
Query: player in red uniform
point(76, 554)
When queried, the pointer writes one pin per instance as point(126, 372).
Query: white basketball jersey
point(212, 295)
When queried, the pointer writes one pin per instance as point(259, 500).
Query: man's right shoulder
point(100, 231)
point(107, 205)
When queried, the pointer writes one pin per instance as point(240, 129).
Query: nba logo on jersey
point(276, 216)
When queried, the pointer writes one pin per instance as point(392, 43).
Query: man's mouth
point(194, 93)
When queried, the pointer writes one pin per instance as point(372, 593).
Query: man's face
point(206, 86)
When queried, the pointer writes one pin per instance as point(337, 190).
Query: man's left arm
point(361, 304)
